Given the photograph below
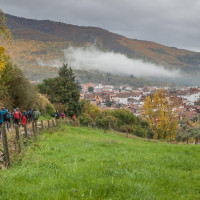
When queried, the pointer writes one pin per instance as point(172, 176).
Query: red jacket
point(62, 115)
point(23, 120)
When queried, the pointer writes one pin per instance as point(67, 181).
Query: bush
point(125, 116)
point(119, 120)
point(127, 129)
point(140, 132)
point(85, 120)
point(102, 123)
point(45, 107)
point(15, 88)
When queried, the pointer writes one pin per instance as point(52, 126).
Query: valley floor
point(83, 163)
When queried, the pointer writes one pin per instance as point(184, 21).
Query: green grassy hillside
point(82, 163)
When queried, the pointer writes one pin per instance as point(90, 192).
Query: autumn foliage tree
point(160, 114)
point(4, 34)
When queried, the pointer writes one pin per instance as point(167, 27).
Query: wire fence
point(16, 136)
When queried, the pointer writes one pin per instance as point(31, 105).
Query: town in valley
point(186, 100)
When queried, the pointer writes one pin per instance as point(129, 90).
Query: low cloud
point(52, 63)
point(92, 58)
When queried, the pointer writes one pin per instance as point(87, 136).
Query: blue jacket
point(2, 114)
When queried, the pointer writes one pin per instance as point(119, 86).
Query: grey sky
point(169, 22)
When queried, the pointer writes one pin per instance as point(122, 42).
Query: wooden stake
point(36, 126)
point(5, 146)
point(42, 126)
point(18, 138)
point(33, 128)
point(25, 131)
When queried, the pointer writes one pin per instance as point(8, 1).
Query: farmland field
point(85, 163)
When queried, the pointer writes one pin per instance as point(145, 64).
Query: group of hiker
point(21, 118)
point(17, 117)
point(59, 115)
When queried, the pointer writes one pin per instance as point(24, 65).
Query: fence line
point(34, 129)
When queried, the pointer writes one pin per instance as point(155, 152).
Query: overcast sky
point(169, 22)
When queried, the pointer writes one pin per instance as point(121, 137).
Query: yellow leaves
point(3, 58)
point(3, 32)
point(160, 115)
point(3, 28)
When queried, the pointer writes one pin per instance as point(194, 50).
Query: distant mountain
point(44, 39)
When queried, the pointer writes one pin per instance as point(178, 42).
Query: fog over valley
point(92, 58)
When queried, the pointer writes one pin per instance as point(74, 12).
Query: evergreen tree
point(90, 89)
point(63, 91)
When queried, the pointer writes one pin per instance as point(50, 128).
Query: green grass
point(82, 163)
point(44, 118)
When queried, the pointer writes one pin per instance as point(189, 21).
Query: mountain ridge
point(51, 37)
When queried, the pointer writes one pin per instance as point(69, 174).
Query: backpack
point(4, 118)
point(17, 115)
point(7, 116)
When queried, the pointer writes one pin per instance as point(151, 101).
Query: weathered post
point(5, 146)
point(48, 124)
point(127, 134)
point(53, 123)
point(18, 138)
point(57, 122)
point(25, 131)
point(33, 128)
point(42, 126)
point(35, 125)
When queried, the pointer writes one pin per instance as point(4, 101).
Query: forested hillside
point(34, 39)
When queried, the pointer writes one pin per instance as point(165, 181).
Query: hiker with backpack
point(30, 115)
point(7, 120)
point(17, 117)
point(3, 111)
point(24, 118)
point(57, 115)
point(36, 115)
point(62, 115)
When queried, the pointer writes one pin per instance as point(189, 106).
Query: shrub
point(140, 132)
point(85, 119)
point(127, 129)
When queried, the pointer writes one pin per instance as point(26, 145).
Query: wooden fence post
point(18, 138)
point(53, 123)
point(33, 128)
point(48, 124)
point(57, 122)
point(36, 125)
point(25, 131)
point(5, 146)
point(42, 126)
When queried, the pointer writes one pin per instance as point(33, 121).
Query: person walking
point(24, 118)
point(17, 117)
point(62, 115)
point(7, 120)
point(57, 115)
point(36, 115)
point(30, 115)
point(3, 111)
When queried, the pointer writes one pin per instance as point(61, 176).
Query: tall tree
point(63, 91)
point(160, 114)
